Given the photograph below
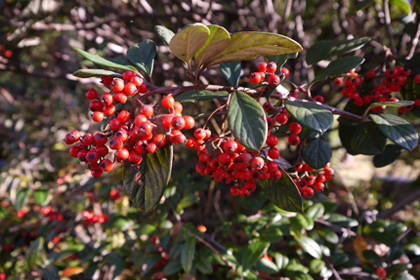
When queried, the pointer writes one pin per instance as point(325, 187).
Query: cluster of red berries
point(129, 135)
point(265, 69)
point(309, 180)
point(393, 80)
point(115, 194)
point(91, 218)
point(165, 258)
point(282, 118)
point(52, 215)
point(4, 52)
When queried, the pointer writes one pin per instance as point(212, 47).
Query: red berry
point(250, 185)
point(294, 140)
point(147, 110)
point(307, 168)
point(275, 175)
point(127, 75)
point(91, 94)
point(285, 72)
point(417, 78)
point(130, 89)
point(282, 118)
point(274, 80)
point(262, 67)
point(95, 105)
point(319, 187)
point(116, 144)
point(102, 150)
point(178, 122)
point(114, 124)
point(107, 80)
point(92, 156)
point(117, 85)
point(257, 163)
point(106, 99)
point(338, 81)
point(319, 99)
point(87, 139)
point(244, 192)
point(167, 121)
point(230, 146)
point(234, 190)
point(299, 167)
point(97, 173)
point(371, 73)
point(120, 97)
point(168, 101)
point(151, 148)
point(122, 153)
point(273, 153)
point(271, 67)
point(136, 80)
point(271, 140)
point(143, 88)
point(109, 110)
point(123, 116)
point(106, 165)
point(255, 78)
point(200, 133)
point(381, 272)
point(308, 192)
point(295, 128)
point(135, 157)
point(189, 122)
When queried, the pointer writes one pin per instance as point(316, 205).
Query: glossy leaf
point(281, 59)
point(21, 198)
point(328, 48)
point(42, 196)
point(397, 130)
point(316, 211)
point(271, 234)
point(231, 71)
point(172, 267)
point(400, 103)
point(164, 33)
point(188, 41)
point(281, 260)
point(309, 246)
point(194, 95)
point(310, 114)
point(403, 4)
point(122, 64)
point(342, 220)
point(253, 253)
point(283, 193)
point(33, 252)
point(388, 156)
point(203, 265)
point(266, 266)
point(305, 221)
point(346, 133)
point(317, 153)
point(50, 273)
point(146, 183)
point(368, 139)
point(329, 235)
point(187, 201)
point(143, 55)
point(250, 44)
point(316, 266)
point(372, 257)
point(217, 41)
point(87, 73)
point(247, 120)
point(338, 67)
point(187, 254)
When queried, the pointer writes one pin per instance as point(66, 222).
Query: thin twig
point(388, 27)
point(217, 252)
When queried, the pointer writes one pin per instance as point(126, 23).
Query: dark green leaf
point(397, 130)
point(339, 259)
point(172, 267)
point(146, 183)
point(342, 220)
point(400, 103)
point(187, 201)
point(271, 234)
point(203, 265)
point(250, 44)
point(231, 71)
point(305, 221)
point(398, 268)
point(50, 273)
point(87, 73)
point(281, 260)
point(253, 253)
point(247, 121)
point(372, 257)
point(394, 254)
point(412, 249)
point(384, 237)
point(316, 266)
point(143, 55)
point(266, 266)
point(317, 153)
point(368, 139)
point(164, 33)
point(339, 66)
point(403, 4)
point(42, 196)
point(283, 193)
point(194, 95)
point(403, 276)
point(310, 114)
point(329, 235)
point(316, 211)
point(298, 275)
point(217, 42)
point(281, 59)
point(187, 254)
point(21, 198)
point(122, 64)
point(309, 246)
point(188, 41)
point(328, 48)
point(346, 133)
point(33, 252)
point(388, 156)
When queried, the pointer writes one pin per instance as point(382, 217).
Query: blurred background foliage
point(370, 219)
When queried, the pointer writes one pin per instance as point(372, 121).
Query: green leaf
point(316, 211)
point(342, 220)
point(346, 133)
point(283, 193)
point(309, 246)
point(247, 120)
point(305, 221)
point(339, 259)
point(203, 265)
point(21, 198)
point(400, 103)
point(34, 250)
point(266, 266)
point(121, 63)
point(317, 153)
point(271, 234)
point(194, 95)
point(364, 4)
point(42, 196)
point(299, 275)
point(339, 66)
point(310, 114)
point(188, 41)
point(231, 71)
point(253, 253)
point(281, 260)
point(87, 73)
point(187, 201)
point(372, 257)
point(281, 59)
point(217, 42)
point(368, 139)
point(403, 4)
point(50, 273)
point(187, 254)
point(316, 266)
point(384, 237)
point(397, 130)
point(403, 276)
point(172, 267)
point(143, 55)
point(250, 44)
point(328, 48)
point(329, 235)
point(164, 33)
point(395, 253)
point(146, 183)
point(388, 156)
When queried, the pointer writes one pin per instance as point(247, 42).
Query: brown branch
point(215, 251)
point(410, 198)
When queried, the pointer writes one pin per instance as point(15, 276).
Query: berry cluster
point(129, 135)
point(265, 69)
point(91, 218)
point(393, 79)
point(52, 215)
point(309, 180)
